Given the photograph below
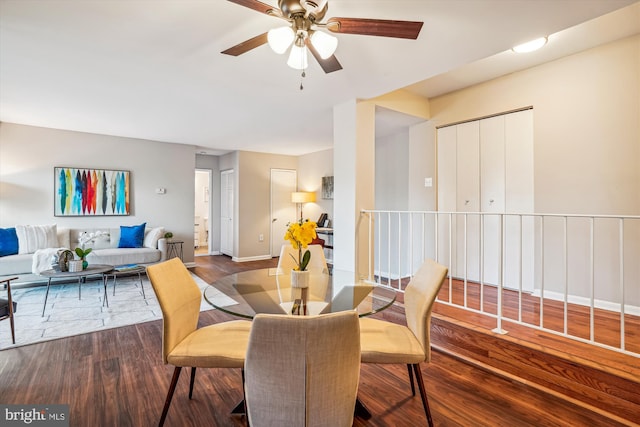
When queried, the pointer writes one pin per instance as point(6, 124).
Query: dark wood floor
point(116, 378)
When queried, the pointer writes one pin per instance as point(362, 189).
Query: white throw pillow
point(34, 237)
point(152, 236)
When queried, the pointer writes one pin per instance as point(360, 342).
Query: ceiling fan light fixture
point(280, 39)
point(298, 58)
point(530, 46)
point(324, 43)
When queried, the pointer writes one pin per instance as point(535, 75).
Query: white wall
point(28, 155)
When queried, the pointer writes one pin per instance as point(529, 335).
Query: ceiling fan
point(302, 32)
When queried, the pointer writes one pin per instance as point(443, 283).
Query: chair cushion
point(223, 345)
point(4, 307)
point(386, 342)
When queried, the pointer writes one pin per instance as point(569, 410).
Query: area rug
point(66, 315)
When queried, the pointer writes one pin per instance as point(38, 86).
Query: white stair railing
point(514, 266)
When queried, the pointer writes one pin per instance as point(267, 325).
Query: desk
point(92, 269)
point(269, 290)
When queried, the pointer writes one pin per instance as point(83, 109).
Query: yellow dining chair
point(389, 343)
point(302, 371)
point(8, 306)
point(222, 345)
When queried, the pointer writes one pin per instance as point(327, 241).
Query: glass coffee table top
point(269, 290)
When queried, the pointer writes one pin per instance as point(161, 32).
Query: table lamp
point(302, 197)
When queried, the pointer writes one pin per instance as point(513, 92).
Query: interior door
point(283, 183)
point(226, 211)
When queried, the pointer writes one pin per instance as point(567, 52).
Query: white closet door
point(447, 195)
point(492, 194)
point(468, 200)
point(519, 198)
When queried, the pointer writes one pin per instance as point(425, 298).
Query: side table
point(174, 249)
point(119, 271)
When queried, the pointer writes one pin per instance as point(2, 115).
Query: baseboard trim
point(252, 258)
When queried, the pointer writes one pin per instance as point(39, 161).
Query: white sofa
point(105, 251)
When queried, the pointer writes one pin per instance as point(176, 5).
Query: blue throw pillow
point(8, 241)
point(131, 237)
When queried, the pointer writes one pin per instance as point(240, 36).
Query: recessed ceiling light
point(530, 46)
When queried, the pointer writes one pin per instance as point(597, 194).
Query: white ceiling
point(153, 69)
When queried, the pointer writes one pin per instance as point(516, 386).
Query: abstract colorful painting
point(91, 192)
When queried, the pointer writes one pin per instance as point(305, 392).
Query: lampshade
point(280, 39)
point(298, 57)
point(303, 197)
point(324, 43)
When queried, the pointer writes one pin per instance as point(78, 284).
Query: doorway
point(227, 179)
point(202, 211)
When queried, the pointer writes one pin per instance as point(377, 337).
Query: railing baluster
point(622, 293)
point(566, 276)
point(592, 286)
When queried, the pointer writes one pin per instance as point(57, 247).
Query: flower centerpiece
point(85, 238)
point(300, 233)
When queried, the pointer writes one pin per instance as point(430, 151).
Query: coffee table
point(91, 270)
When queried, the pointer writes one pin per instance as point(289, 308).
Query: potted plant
point(85, 238)
point(301, 233)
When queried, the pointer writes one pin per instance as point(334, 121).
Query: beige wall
point(254, 203)
point(311, 168)
point(586, 110)
point(586, 126)
point(28, 155)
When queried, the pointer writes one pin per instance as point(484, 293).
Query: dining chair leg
point(192, 381)
point(413, 386)
point(423, 393)
point(172, 388)
point(244, 399)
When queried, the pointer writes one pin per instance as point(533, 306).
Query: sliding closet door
point(447, 196)
point(492, 194)
point(486, 166)
point(519, 198)
point(468, 200)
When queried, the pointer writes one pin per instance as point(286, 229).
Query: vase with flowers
point(301, 233)
point(84, 239)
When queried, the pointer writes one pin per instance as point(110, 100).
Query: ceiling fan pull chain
point(302, 76)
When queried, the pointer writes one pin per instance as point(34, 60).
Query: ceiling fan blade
point(375, 27)
point(329, 65)
point(246, 45)
point(259, 6)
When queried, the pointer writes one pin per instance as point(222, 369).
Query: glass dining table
point(269, 290)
